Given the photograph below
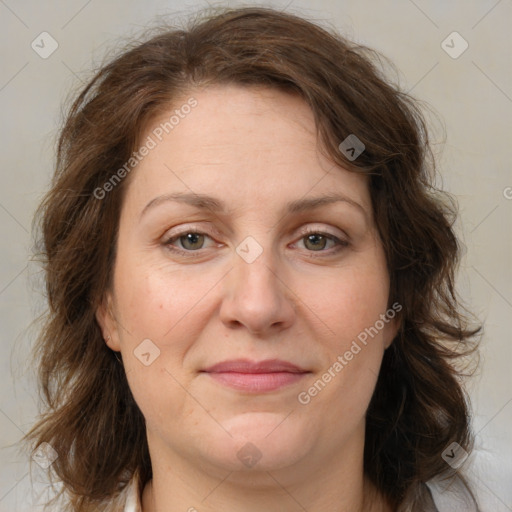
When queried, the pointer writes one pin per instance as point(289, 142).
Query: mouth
point(256, 377)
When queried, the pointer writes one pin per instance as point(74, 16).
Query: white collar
point(133, 503)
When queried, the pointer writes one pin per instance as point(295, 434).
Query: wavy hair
point(419, 405)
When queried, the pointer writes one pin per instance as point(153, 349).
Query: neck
point(329, 483)
point(371, 501)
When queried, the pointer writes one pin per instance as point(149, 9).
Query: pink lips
point(253, 376)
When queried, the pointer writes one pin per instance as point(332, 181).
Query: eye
point(317, 241)
point(191, 241)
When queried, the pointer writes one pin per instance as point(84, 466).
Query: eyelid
point(183, 229)
point(212, 231)
point(320, 229)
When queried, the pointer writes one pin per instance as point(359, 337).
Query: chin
point(262, 441)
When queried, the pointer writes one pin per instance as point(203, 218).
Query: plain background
point(472, 95)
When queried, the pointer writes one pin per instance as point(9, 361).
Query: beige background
point(472, 94)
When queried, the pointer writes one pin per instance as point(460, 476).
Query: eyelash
point(197, 253)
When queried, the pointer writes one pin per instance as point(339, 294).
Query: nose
point(257, 297)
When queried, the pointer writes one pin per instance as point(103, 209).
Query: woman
point(251, 282)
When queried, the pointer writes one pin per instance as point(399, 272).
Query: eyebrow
point(215, 205)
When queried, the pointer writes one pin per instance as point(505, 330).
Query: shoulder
point(451, 495)
point(128, 500)
point(438, 495)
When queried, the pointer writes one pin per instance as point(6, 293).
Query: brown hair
point(419, 406)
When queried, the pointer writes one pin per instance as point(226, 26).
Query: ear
point(106, 320)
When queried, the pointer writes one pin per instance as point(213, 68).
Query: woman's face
point(269, 275)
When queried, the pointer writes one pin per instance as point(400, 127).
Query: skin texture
point(255, 149)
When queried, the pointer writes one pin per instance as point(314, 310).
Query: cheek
point(348, 307)
point(170, 308)
point(154, 301)
point(160, 310)
point(349, 301)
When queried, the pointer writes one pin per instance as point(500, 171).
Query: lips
point(256, 377)
point(247, 366)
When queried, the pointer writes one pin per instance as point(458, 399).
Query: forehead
point(230, 114)
point(247, 144)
